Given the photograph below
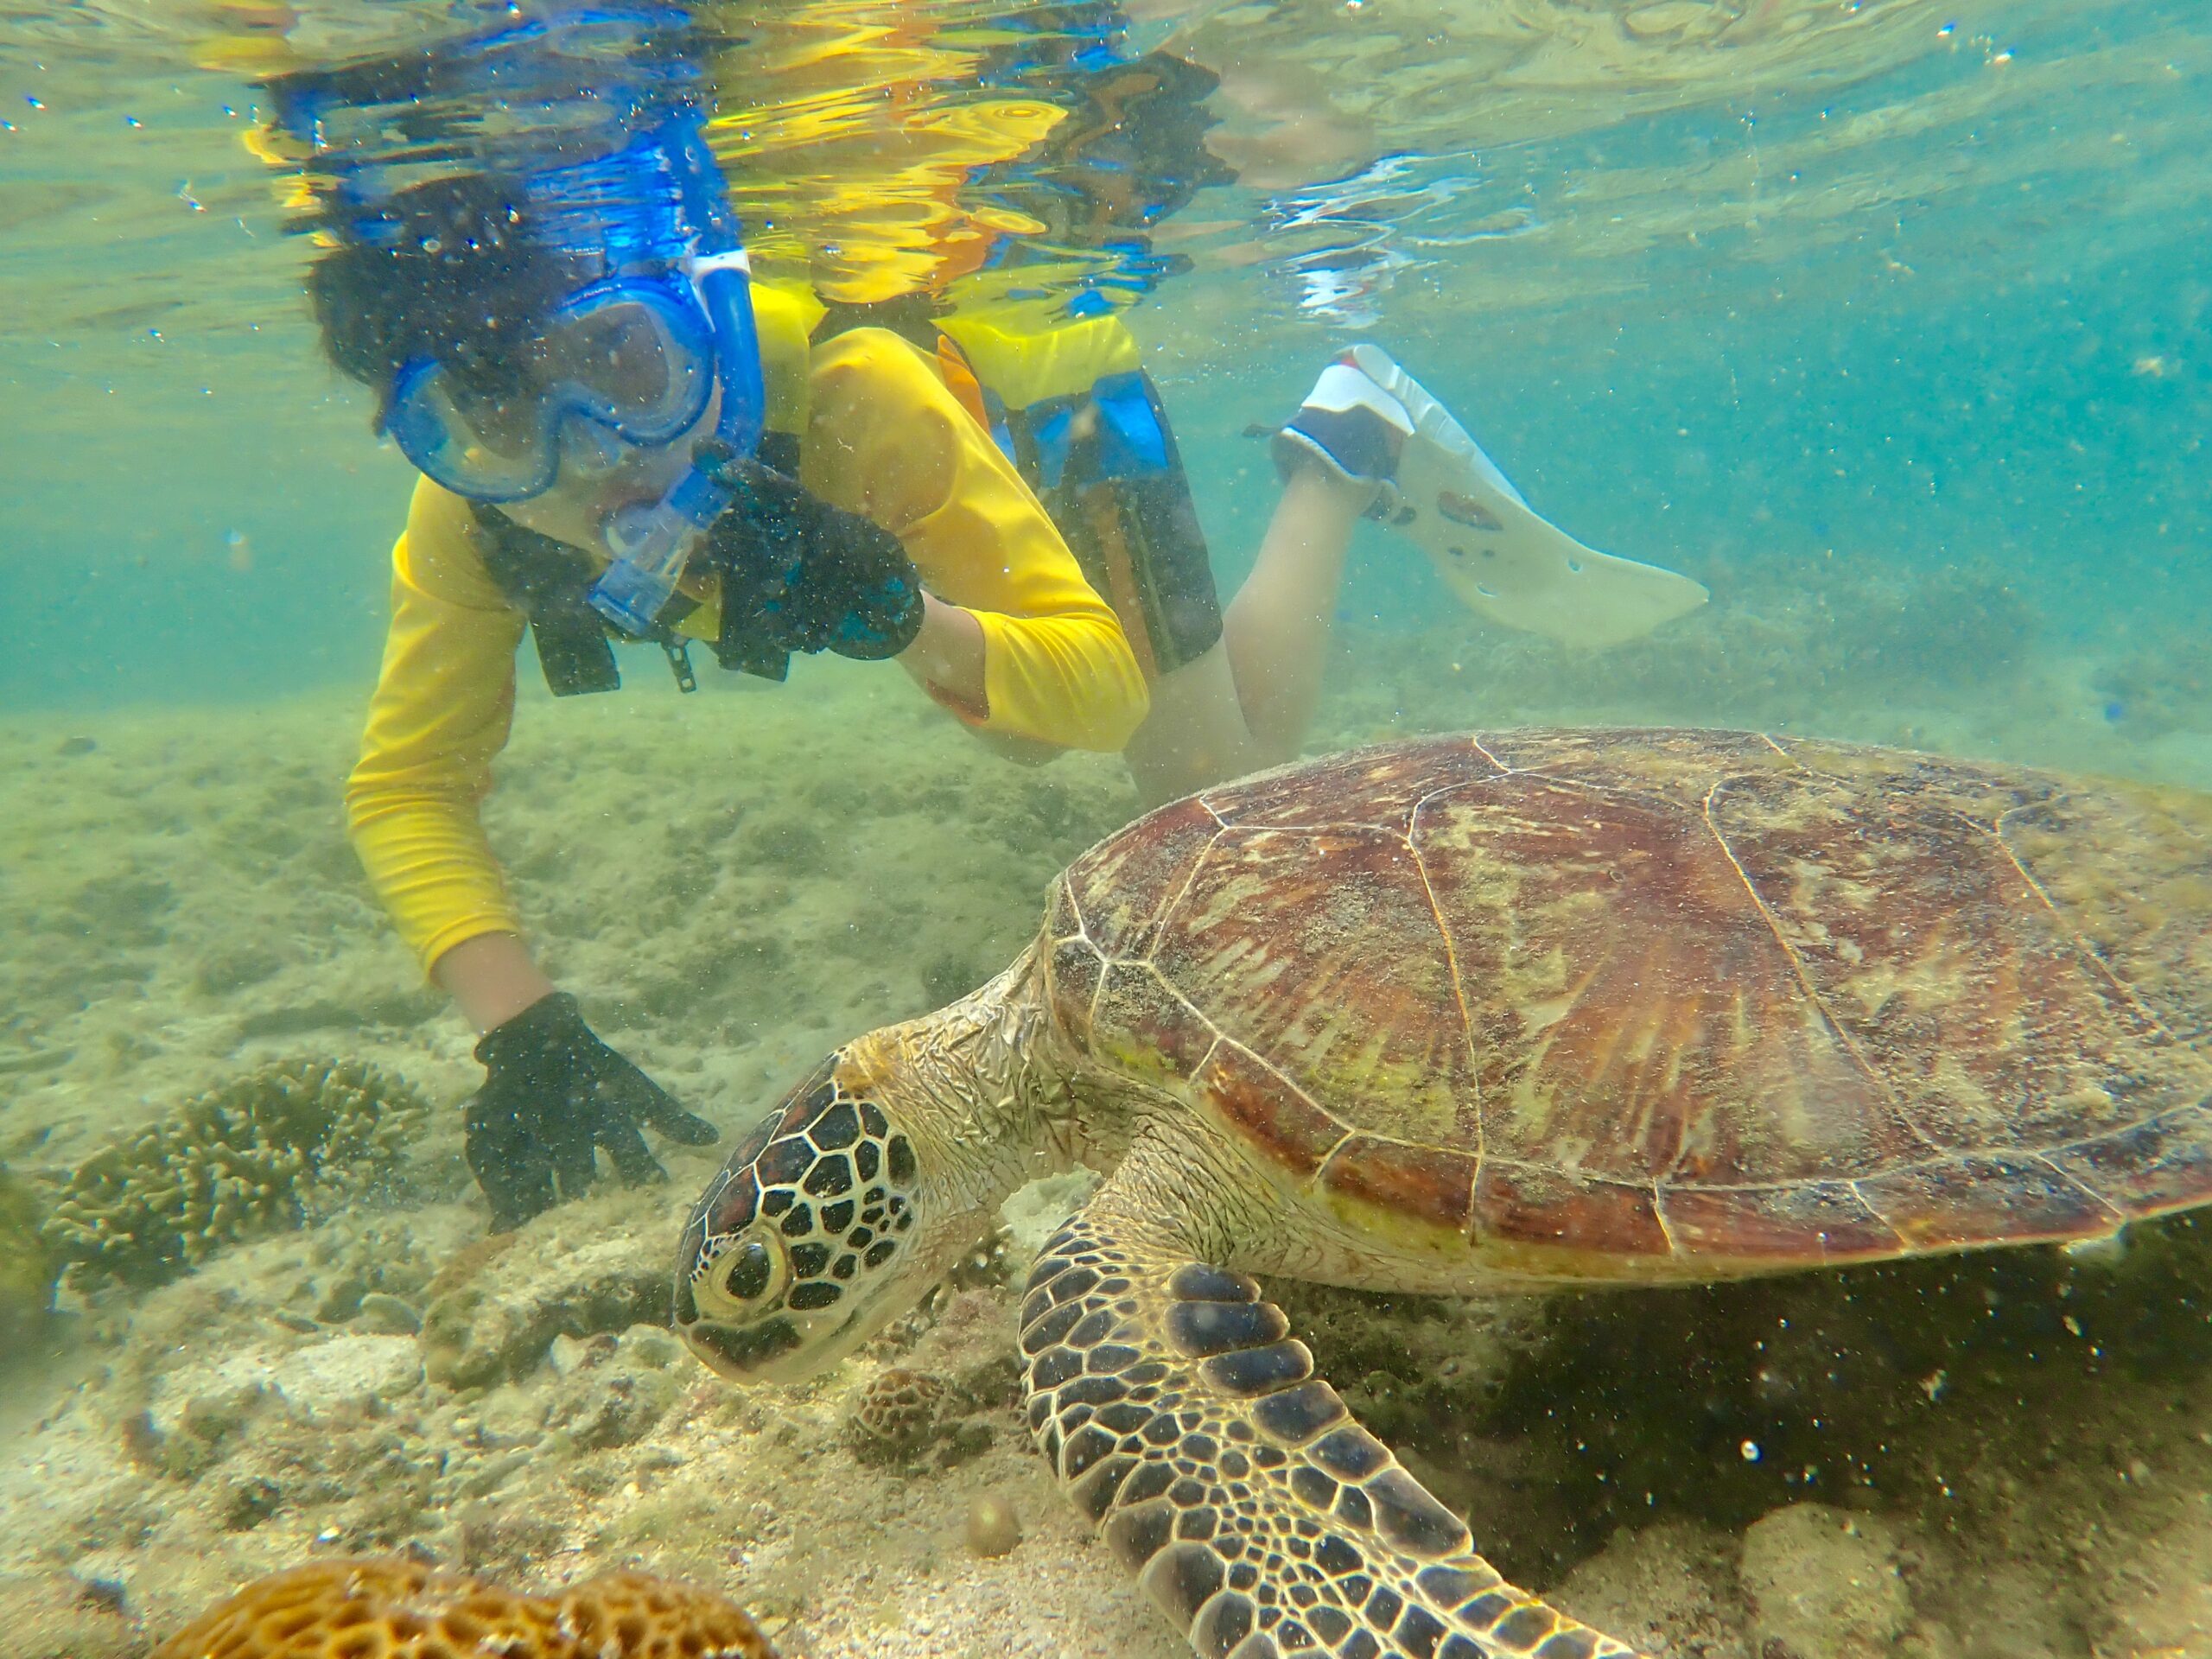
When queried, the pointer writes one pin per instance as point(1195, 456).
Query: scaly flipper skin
point(1181, 1416)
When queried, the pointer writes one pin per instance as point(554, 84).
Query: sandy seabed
point(2006, 1458)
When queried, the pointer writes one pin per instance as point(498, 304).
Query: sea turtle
point(1543, 1009)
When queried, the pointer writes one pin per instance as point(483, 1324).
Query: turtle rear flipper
point(1181, 1416)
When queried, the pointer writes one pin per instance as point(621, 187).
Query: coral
point(27, 1266)
point(393, 1609)
point(904, 1414)
point(238, 1160)
point(898, 1413)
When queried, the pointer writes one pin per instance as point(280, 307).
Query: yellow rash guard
point(880, 435)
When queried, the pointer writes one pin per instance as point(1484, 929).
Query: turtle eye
point(747, 1277)
point(749, 1273)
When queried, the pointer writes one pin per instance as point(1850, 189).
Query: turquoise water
point(1866, 288)
point(1888, 320)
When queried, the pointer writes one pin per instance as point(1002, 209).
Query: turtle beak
point(746, 1355)
point(776, 1350)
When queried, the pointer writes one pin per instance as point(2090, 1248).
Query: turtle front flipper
point(1180, 1415)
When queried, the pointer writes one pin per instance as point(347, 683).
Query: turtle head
point(819, 1231)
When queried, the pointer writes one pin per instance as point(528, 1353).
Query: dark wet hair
point(449, 269)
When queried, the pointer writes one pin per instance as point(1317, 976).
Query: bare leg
point(1246, 703)
point(1277, 627)
point(1195, 734)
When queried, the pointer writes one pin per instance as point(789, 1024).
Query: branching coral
point(240, 1160)
point(391, 1609)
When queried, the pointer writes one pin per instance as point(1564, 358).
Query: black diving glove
point(554, 1094)
point(800, 574)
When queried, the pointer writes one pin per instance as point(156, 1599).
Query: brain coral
point(239, 1160)
point(392, 1609)
point(897, 1412)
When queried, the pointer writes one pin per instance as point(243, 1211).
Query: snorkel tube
point(652, 542)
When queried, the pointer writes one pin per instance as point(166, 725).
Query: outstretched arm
point(554, 1096)
point(443, 706)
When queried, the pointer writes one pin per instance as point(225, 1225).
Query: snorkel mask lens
point(631, 357)
point(485, 448)
point(636, 354)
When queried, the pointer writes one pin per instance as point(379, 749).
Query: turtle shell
point(1669, 1004)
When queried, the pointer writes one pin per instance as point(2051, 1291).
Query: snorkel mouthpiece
point(653, 542)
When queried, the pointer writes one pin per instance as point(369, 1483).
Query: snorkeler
point(564, 378)
point(624, 432)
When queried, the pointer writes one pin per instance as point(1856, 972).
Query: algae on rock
point(597, 1264)
point(28, 1267)
point(240, 1160)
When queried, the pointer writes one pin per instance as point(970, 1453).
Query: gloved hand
point(800, 574)
point(553, 1094)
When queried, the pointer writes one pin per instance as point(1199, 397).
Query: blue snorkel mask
point(629, 361)
point(589, 109)
point(652, 543)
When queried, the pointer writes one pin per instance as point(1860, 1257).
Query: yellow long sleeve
point(883, 437)
point(444, 703)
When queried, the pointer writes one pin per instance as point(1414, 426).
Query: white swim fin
point(1504, 562)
